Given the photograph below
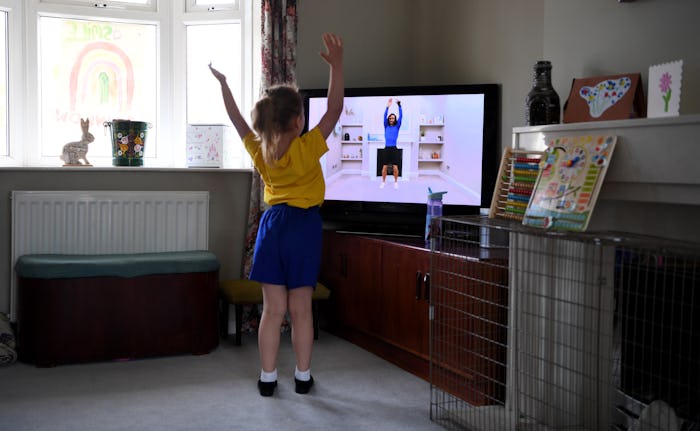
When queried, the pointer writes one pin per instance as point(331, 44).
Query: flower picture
point(665, 89)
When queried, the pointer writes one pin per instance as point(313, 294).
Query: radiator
point(102, 222)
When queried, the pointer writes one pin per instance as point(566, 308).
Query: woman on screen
point(392, 156)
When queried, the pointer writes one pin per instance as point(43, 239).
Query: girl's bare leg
point(302, 325)
point(274, 309)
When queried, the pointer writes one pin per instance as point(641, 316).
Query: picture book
point(571, 174)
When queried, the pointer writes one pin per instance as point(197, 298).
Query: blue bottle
point(434, 210)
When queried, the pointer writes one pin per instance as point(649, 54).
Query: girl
point(287, 252)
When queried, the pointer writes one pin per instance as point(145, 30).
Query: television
point(448, 141)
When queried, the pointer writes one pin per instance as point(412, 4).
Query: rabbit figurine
point(74, 152)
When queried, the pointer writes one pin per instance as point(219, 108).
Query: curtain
point(278, 55)
point(279, 42)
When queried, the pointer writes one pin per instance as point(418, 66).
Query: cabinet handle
point(419, 280)
point(426, 281)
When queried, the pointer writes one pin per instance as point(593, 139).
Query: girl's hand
point(218, 75)
point(336, 83)
point(234, 114)
point(334, 49)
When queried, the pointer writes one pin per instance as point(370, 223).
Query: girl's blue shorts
point(288, 247)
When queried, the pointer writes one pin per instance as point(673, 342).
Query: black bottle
point(542, 102)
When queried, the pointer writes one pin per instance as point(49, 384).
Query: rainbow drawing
point(102, 75)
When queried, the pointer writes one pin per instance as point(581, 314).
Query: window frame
point(249, 71)
point(15, 82)
point(171, 19)
point(149, 5)
point(192, 6)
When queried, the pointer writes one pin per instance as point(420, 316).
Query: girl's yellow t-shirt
point(297, 177)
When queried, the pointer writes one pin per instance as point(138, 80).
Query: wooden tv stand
point(381, 297)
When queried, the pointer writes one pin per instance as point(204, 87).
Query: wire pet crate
point(540, 330)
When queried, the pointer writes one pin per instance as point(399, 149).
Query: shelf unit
point(430, 145)
point(352, 149)
point(649, 188)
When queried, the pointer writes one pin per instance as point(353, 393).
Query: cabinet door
point(469, 344)
point(404, 299)
point(331, 260)
point(350, 269)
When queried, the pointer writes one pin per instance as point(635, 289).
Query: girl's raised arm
point(231, 107)
point(336, 85)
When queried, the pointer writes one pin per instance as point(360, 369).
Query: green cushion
point(244, 291)
point(49, 266)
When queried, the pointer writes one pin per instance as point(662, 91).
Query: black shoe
point(303, 386)
point(267, 388)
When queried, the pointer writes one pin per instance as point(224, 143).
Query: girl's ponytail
point(273, 116)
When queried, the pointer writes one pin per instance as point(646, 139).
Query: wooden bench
point(80, 308)
point(242, 292)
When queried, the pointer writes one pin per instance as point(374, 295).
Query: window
point(4, 141)
point(144, 60)
point(110, 70)
point(11, 81)
point(202, 50)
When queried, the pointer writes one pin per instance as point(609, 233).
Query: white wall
point(405, 42)
point(481, 41)
point(498, 41)
point(604, 37)
point(426, 42)
point(377, 34)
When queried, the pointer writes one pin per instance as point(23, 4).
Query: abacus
point(517, 176)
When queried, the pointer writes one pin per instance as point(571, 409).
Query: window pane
point(204, 46)
point(4, 147)
point(98, 70)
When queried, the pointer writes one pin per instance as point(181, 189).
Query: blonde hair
point(273, 115)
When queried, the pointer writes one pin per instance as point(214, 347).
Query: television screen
point(379, 170)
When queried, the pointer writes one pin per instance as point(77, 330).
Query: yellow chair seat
point(244, 291)
point(241, 292)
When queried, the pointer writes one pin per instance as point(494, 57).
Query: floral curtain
point(278, 55)
point(279, 42)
